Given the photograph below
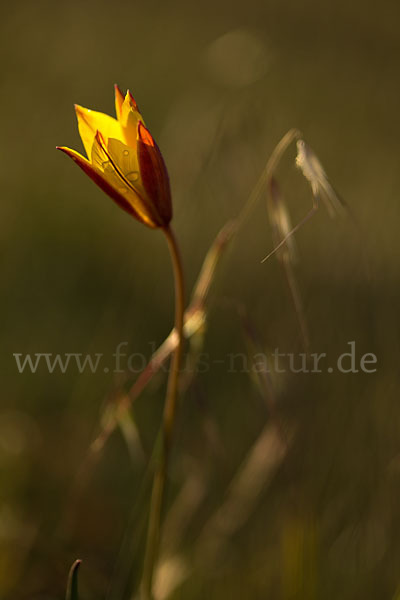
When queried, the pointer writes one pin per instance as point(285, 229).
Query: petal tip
point(81, 110)
point(119, 99)
point(131, 100)
point(144, 135)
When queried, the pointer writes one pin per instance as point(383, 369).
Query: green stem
point(160, 477)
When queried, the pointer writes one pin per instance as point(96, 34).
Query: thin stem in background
point(303, 221)
point(160, 477)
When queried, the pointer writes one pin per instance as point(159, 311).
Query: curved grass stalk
point(194, 318)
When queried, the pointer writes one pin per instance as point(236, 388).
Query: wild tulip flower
point(126, 163)
point(124, 160)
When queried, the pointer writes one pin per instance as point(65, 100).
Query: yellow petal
point(130, 117)
point(90, 121)
point(119, 99)
point(127, 160)
point(102, 180)
point(115, 163)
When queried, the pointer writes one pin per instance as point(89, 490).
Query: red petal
point(154, 174)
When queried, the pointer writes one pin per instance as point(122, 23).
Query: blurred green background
point(219, 83)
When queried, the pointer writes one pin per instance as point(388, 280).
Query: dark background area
point(218, 83)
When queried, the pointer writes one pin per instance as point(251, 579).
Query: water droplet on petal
point(126, 153)
point(132, 176)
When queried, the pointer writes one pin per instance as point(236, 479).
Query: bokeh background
point(219, 84)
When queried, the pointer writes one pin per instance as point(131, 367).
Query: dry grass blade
point(276, 210)
point(258, 468)
point(267, 173)
point(173, 568)
point(171, 572)
point(211, 261)
point(280, 223)
point(312, 169)
point(321, 188)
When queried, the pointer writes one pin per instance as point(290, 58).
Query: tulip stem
point(160, 476)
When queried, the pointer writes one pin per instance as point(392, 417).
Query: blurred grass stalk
point(286, 251)
point(245, 489)
point(196, 314)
